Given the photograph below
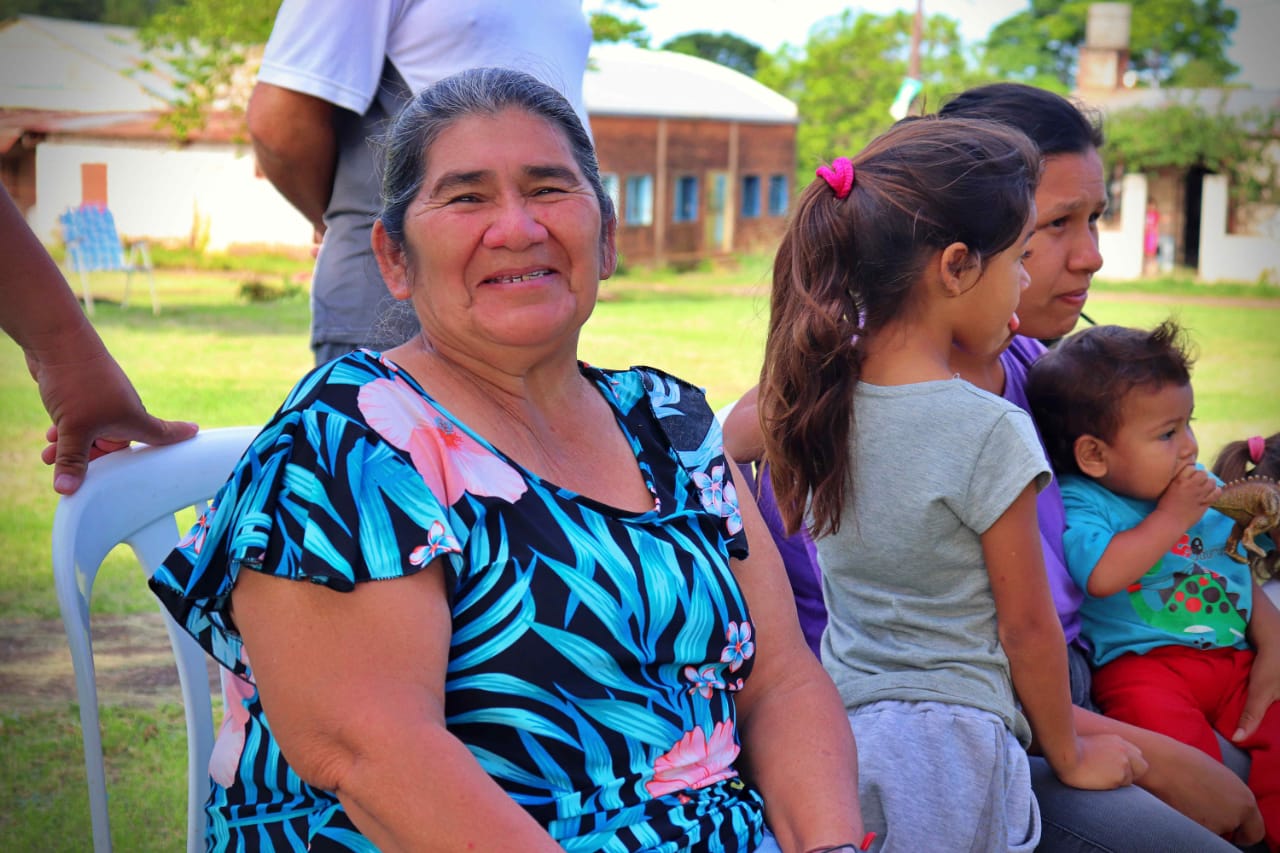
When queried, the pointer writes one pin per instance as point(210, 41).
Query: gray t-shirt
point(911, 616)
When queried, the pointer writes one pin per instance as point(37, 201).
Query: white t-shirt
point(341, 60)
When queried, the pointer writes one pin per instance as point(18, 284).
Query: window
point(686, 199)
point(777, 195)
point(610, 182)
point(639, 200)
point(750, 196)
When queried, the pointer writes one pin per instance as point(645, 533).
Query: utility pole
point(917, 33)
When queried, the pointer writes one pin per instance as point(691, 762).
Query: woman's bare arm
point(353, 684)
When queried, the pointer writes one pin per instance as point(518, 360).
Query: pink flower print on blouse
point(705, 681)
point(719, 497)
point(224, 760)
point(438, 542)
point(450, 461)
point(199, 532)
point(695, 761)
point(740, 646)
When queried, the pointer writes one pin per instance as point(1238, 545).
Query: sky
point(771, 23)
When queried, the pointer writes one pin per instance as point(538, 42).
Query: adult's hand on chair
point(95, 410)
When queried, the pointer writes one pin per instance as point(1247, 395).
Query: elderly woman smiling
point(528, 617)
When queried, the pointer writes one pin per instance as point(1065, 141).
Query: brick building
point(699, 158)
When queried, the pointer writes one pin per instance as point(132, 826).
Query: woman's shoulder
point(335, 385)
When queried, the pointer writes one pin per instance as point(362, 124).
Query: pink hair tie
point(1256, 446)
point(839, 176)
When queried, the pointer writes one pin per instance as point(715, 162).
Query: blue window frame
point(686, 207)
point(777, 195)
point(750, 196)
point(639, 198)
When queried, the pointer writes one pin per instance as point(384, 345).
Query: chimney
point(1105, 55)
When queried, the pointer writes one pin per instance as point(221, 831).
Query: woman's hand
point(1264, 675)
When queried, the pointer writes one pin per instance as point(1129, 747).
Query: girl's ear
point(391, 261)
point(1091, 456)
point(957, 269)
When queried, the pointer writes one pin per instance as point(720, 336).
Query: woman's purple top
point(801, 561)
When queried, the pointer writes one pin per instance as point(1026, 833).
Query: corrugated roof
point(48, 63)
point(628, 80)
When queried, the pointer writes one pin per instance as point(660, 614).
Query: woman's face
point(503, 245)
point(1063, 253)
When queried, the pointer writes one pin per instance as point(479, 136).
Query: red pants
point(1187, 694)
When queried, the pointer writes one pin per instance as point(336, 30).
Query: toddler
point(1166, 610)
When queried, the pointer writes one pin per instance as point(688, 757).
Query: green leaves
point(1181, 135)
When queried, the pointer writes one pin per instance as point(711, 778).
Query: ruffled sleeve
point(318, 497)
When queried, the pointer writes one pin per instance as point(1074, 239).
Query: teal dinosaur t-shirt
point(1195, 595)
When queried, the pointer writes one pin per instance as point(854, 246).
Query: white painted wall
point(156, 191)
point(1231, 257)
point(1121, 247)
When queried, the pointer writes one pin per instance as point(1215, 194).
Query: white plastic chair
point(130, 497)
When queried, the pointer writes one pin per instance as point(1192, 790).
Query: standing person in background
point(94, 407)
point(1150, 239)
point(332, 77)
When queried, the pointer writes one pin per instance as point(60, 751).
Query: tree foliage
point(1183, 136)
point(207, 42)
point(608, 28)
point(724, 48)
point(846, 77)
point(1171, 42)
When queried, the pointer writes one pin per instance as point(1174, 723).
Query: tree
point(608, 28)
point(848, 73)
point(1171, 42)
point(725, 48)
point(207, 42)
point(1183, 136)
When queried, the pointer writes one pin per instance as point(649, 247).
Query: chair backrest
point(93, 243)
point(130, 497)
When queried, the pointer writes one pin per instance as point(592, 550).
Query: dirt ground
point(132, 657)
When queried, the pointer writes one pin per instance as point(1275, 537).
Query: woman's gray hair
point(476, 91)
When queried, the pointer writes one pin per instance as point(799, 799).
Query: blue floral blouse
point(595, 653)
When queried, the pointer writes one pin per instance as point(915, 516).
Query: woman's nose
point(1085, 255)
point(514, 227)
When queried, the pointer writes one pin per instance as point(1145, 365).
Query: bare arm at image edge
point(94, 407)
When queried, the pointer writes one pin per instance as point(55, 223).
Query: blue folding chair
point(94, 245)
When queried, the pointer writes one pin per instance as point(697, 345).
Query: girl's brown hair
point(847, 267)
point(1235, 461)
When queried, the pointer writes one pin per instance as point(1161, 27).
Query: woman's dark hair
point(1055, 124)
point(476, 91)
point(847, 267)
point(1078, 387)
point(1235, 461)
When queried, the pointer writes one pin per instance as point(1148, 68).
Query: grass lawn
point(214, 358)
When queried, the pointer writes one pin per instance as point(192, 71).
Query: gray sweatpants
point(934, 776)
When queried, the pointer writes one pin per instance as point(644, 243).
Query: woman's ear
point(957, 269)
point(391, 261)
point(1091, 456)
point(609, 250)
